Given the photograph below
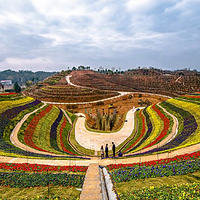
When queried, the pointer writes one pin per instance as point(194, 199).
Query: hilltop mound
point(57, 89)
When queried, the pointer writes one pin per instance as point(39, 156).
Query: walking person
point(106, 150)
point(113, 149)
point(102, 152)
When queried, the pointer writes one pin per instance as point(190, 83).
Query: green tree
point(17, 88)
point(29, 83)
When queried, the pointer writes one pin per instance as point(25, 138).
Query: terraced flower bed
point(17, 109)
point(72, 94)
point(8, 120)
point(187, 127)
point(47, 130)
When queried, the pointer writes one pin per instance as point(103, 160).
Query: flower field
point(24, 180)
point(185, 157)
point(161, 170)
point(184, 191)
point(46, 130)
point(52, 127)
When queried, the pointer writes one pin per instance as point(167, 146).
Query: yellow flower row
point(4, 105)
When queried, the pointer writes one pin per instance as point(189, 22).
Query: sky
point(54, 35)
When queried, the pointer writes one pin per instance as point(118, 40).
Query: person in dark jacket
point(106, 150)
point(113, 149)
point(120, 154)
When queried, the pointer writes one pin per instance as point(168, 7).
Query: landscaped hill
point(56, 89)
point(159, 83)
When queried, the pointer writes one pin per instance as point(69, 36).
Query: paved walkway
point(92, 189)
point(103, 162)
point(94, 140)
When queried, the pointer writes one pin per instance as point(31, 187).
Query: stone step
point(92, 184)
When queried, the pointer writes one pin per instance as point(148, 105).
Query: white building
point(6, 82)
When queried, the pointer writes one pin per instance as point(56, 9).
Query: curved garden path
point(103, 162)
point(94, 140)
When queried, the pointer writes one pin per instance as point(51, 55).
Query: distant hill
point(22, 76)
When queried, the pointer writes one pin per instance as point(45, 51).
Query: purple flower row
point(53, 133)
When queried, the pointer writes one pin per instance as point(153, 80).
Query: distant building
point(6, 82)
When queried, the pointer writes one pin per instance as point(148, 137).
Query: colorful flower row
point(178, 158)
point(53, 132)
point(64, 130)
point(26, 180)
point(157, 127)
point(194, 109)
point(7, 116)
point(28, 136)
point(189, 127)
point(173, 169)
point(141, 127)
point(39, 126)
point(165, 127)
point(40, 168)
point(184, 191)
point(5, 105)
point(149, 130)
point(7, 94)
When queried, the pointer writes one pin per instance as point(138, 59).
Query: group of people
point(106, 151)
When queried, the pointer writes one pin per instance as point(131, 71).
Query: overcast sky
point(52, 35)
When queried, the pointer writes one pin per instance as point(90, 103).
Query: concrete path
point(103, 162)
point(94, 140)
point(92, 189)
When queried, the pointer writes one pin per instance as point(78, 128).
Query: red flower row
point(61, 137)
point(28, 136)
point(40, 168)
point(157, 162)
point(192, 96)
point(11, 93)
point(165, 129)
